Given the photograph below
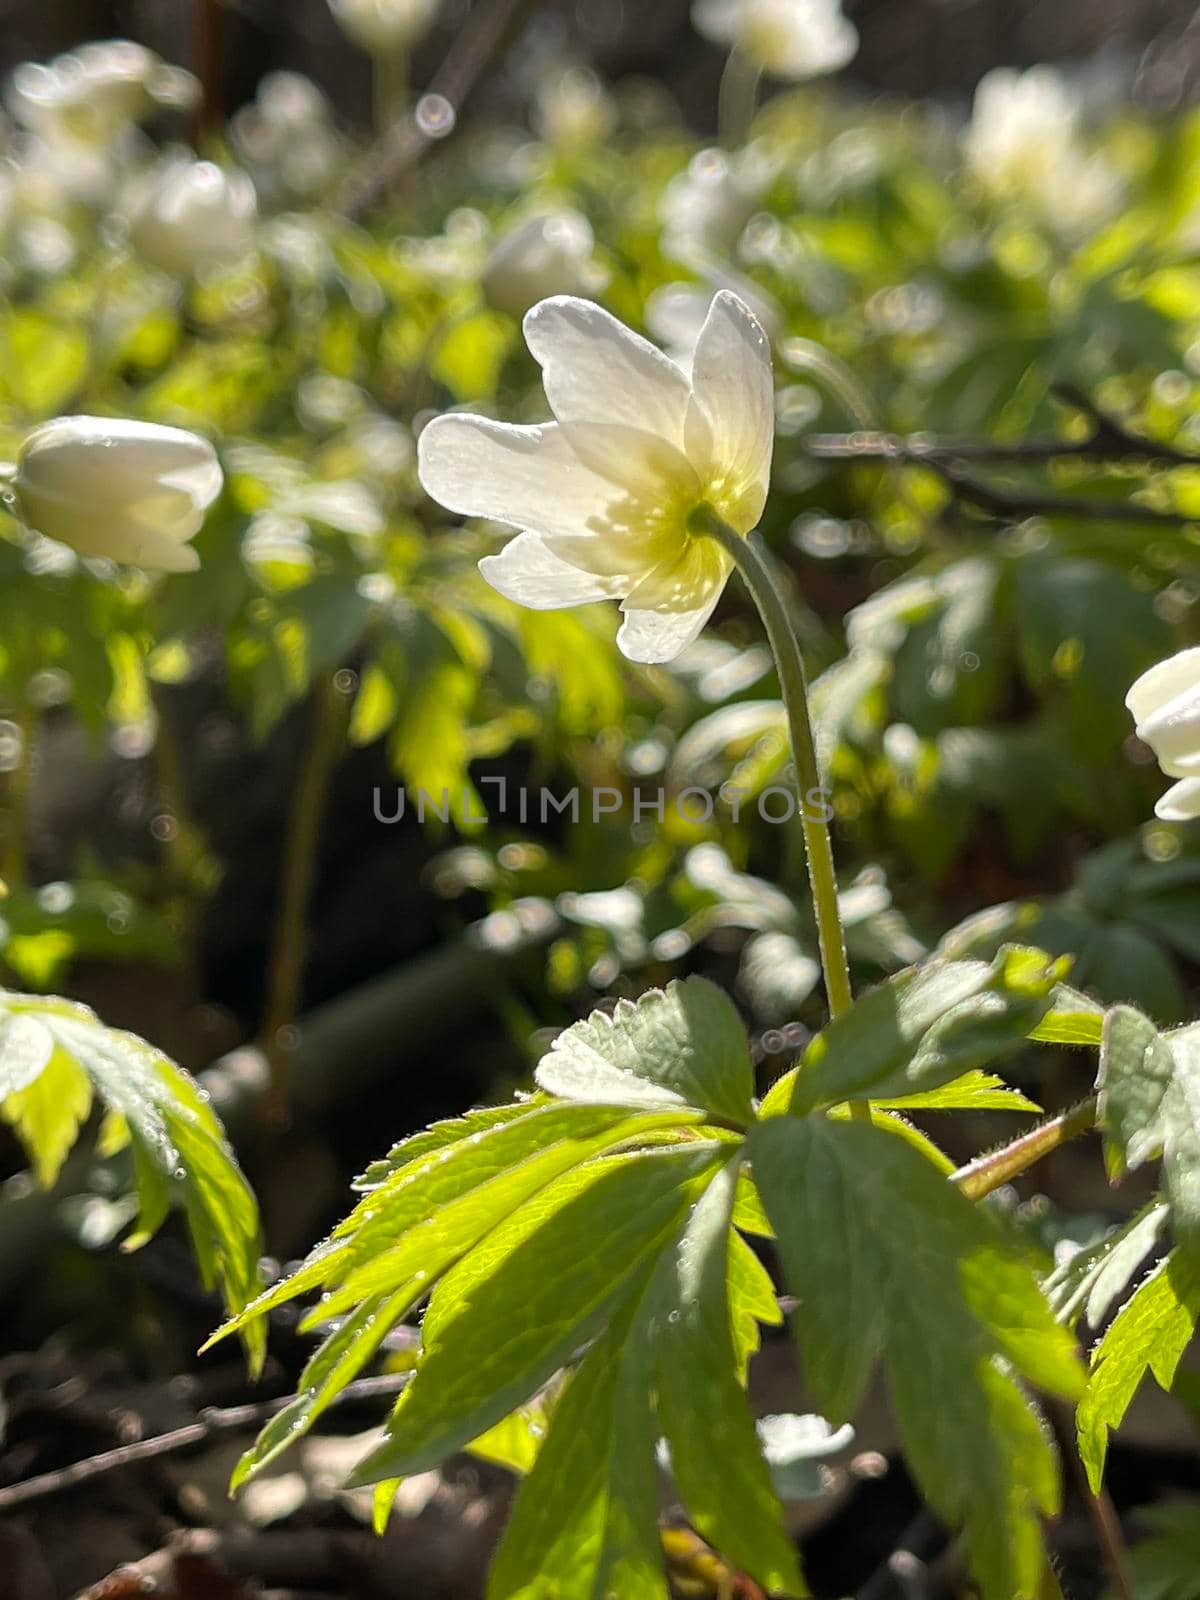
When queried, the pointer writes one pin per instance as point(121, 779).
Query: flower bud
point(548, 255)
point(382, 26)
point(191, 216)
point(117, 489)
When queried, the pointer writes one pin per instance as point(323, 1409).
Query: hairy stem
point(789, 664)
point(990, 1172)
point(331, 710)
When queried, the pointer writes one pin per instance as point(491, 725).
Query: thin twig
point(1108, 442)
point(990, 1172)
point(213, 1420)
point(406, 141)
point(290, 946)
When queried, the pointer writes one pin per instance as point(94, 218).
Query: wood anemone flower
point(607, 495)
point(1165, 702)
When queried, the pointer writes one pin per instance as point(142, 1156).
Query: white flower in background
point(287, 137)
point(544, 256)
point(572, 107)
point(95, 93)
point(188, 216)
point(1025, 142)
point(1165, 703)
point(382, 26)
point(604, 494)
point(676, 312)
point(122, 490)
point(796, 39)
point(705, 208)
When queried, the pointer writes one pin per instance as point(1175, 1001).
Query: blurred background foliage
point(202, 774)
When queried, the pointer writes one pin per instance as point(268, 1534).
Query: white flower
point(1165, 703)
point(287, 138)
point(547, 255)
point(382, 26)
point(795, 39)
point(705, 208)
point(127, 491)
point(1025, 142)
point(190, 216)
point(572, 107)
point(604, 494)
point(93, 94)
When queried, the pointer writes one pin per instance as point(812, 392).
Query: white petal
point(1181, 802)
point(529, 477)
point(1163, 682)
point(666, 611)
point(595, 369)
point(660, 635)
point(527, 572)
point(735, 402)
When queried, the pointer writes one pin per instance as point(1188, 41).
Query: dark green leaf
point(943, 1292)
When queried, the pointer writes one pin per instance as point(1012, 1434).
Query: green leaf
point(515, 1441)
point(336, 1362)
point(1181, 1140)
point(943, 1292)
point(1093, 1278)
point(518, 1306)
point(437, 1136)
point(1149, 1099)
point(447, 1188)
point(585, 1522)
point(1148, 1334)
point(414, 1230)
point(1136, 1068)
point(47, 1111)
point(715, 1454)
point(179, 1147)
point(684, 1045)
point(1071, 1019)
point(926, 1027)
point(751, 1295)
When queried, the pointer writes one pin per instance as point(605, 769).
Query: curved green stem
point(737, 99)
point(789, 663)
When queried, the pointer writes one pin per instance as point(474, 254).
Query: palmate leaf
point(515, 1310)
point(55, 1056)
point(926, 1027)
point(942, 1293)
point(1148, 1334)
